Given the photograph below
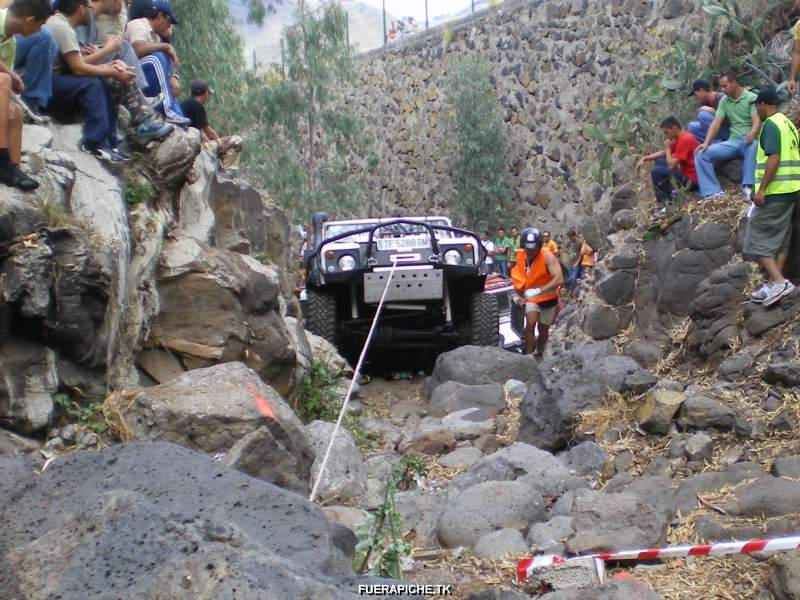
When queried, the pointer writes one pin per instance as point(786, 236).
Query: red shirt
point(683, 150)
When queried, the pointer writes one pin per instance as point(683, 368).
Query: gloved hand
point(532, 293)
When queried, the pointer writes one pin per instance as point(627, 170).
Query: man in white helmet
point(537, 277)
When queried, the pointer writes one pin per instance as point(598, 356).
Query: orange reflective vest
point(526, 276)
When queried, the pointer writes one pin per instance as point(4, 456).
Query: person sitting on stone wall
point(149, 37)
point(227, 148)
point(709, 101)
point(674, 168)
point(23, 17)
point(33, 62)
point(769, 229)
point(736, 109)
point(95, 90)
point(98, 50)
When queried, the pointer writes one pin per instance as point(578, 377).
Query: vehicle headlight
point(347, 263)
point(452, 257)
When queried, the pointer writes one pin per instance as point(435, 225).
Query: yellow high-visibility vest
point(787, 178)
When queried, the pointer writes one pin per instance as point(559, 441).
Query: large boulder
point(766, 497)
point(576, 381)
point(486, 507)
point(702, 411)
point(523, 462)
point(345, 474)
point(56, 289)
point(28, 380)
point(218, 306)
point(715, 309)
point(604, 522)
point(452, 396)
point(222, 409)
point(785, 579)
point(480, 365)
point(158, 520)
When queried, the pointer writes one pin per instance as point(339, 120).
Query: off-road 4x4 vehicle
point(435, 301)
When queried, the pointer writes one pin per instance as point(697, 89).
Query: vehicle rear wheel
point(484, 320)
point(321, 314)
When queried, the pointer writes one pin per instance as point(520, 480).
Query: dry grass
point(711, 578)
point(114, 409)
point(730, 208)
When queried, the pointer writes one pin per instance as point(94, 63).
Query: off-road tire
point(484, 320)
point(321, 318)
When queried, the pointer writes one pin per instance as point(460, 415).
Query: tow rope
point(526, 568)
point(356, 374)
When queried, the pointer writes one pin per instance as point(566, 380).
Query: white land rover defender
point(435, 301)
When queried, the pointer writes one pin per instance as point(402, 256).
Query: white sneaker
point(776, 291)
point(661, 211)
point(716, 196)
point(760, 294)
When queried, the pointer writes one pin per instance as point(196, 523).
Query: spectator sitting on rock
point(158, 58)
point(709, 101)
point(32, 56)
point(737, 110)
point(228, 149)
point(536, 277)
point(769, 229)
point(24, 17)
point(674, 165)
point(112, 22)
point(100, 50)
point(501, 247)
point(79, 85)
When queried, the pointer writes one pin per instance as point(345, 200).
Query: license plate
point(403, 243)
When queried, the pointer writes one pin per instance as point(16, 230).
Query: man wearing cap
point(536, 277)
point(735, 108)
point(157, 56)
point(709, 101)
point(227, 148)
point(769, 229)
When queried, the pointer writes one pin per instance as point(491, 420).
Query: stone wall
point(554, 63)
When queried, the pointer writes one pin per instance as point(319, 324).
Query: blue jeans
point(575, 273)
point(664, 179)
point(35, 54)
point(157, 68)
point(722, 151)
point(90, 96)
point(699, 127)
point(502, 267)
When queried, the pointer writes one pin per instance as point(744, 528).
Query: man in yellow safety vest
point(769, 229)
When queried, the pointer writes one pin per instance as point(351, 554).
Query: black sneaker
point(12, 176)
point(106, 155)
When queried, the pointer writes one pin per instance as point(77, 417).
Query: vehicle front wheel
point(321, 314)
point(484, 320)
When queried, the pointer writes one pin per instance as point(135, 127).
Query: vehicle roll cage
point(315, 254)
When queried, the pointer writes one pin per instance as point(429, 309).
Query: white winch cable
point(356, 374)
